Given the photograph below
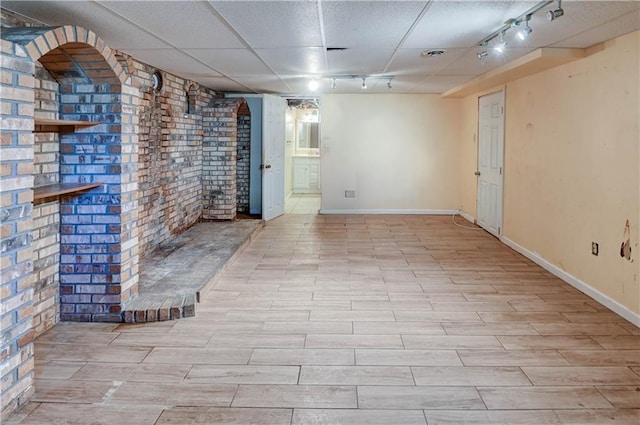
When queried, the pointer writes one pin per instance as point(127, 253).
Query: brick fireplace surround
point(151, 164)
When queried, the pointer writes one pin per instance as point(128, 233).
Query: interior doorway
point(302, 156)
point(490, 161)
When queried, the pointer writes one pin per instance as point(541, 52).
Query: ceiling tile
point(451, 24)
point(174, 61)
point(265, 84)
point(371, 24)
point(411, 61)
point(232, 62)
point(358, 61)
point(187, 24)
point(274, 23)
point(223, 84)
point(469, 64)
point(117, 32)
point(295, 60)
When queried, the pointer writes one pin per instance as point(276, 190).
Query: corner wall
point(571, 167)
point(398, 152)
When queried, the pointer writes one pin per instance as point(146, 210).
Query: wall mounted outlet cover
point(349, 193)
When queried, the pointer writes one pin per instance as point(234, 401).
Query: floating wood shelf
point(43, 125)
point(62, 189)
point(536, 61)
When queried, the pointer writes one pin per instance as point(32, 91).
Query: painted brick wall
point(46, 213)
point(243, 163)
point(16, 196)
point(170, 157)
point(219, 152)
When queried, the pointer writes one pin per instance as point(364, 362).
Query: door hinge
point(500, 170)
point(502, 110)
point(499, 231)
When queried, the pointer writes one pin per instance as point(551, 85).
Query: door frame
point(500, 229)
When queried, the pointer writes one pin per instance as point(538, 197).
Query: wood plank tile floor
point(355, 320)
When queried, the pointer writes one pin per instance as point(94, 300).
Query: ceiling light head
point(364, 83)
point(483, 54)
point(389, 84)
point(333, 83)
point(555, 14)
point(313, 85)
point(524, 31)
point(502, 45)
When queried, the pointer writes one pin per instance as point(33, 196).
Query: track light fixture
point(313, 85)
point(333, 83)
point(522, 33)
point(502, 44)
point(389, 84)
point(483, 53)
point(364, 83)
point(555, 14)
point(526, 30)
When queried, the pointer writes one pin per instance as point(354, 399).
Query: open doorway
point(302, 156)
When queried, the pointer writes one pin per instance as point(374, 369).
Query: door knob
point(477, 173)
point(267, 166)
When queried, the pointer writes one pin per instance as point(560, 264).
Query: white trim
point(603, 299)
point(392, 211)
point(467, 217)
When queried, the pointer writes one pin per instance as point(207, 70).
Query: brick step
point(158, 308)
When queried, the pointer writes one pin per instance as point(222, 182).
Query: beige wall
point(571, 166)
point(397, 151)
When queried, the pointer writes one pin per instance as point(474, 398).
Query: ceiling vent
point(432, 53)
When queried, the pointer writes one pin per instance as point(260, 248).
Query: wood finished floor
point(355, 320)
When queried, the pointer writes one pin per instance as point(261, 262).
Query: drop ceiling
point(278, 46)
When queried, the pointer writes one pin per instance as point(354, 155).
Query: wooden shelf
point(536, 61)
point(62, 189)
point(43, 125)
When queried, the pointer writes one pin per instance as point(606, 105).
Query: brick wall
point(170, 157)
point(243, 163)
point(46, 213)
point(219, 154)
point(16, 196)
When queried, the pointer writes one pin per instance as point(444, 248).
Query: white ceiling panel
point(358, 61)
point(295, 60)
point(117, 32)
point(372, 24)
point(411, 62)
point(270, 45)
point(266, 84)
point(469, 64)
point(452, 24)
point(232, 62)
point(274, 24)
point(185, 24)
point(224, 84)
point(174, 61)
point(623, 25)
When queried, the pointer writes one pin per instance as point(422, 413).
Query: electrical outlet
point(349, 193)
point(595, 248)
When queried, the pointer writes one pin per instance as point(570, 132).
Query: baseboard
point(603, 299)
point(392, 211)
point(467, 217)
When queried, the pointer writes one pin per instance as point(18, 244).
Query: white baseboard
point(467, 217)
point(603, 299)
point(391, 211)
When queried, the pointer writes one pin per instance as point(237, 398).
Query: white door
point(490, 161)
point(273, 138)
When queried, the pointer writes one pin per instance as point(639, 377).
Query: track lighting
point(555, 14)
point(502, 44)
point(389, 84)
point(333, 83)
point(483, 53)
point(364, 83)
point(526, 30)
point(522, 33)
point(313, 85)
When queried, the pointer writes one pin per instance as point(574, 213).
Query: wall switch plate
point(349, 193)
point(595, 248)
